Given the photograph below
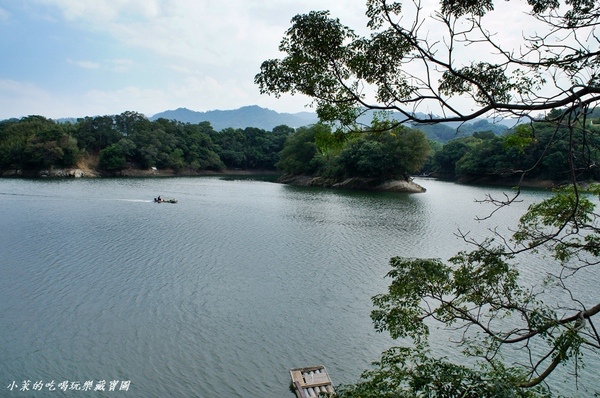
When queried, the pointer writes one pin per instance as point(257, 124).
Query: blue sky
point(73, 58)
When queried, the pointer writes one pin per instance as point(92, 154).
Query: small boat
point(160, 200)
point(311, 381)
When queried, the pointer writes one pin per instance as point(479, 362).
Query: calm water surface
point(216, 296)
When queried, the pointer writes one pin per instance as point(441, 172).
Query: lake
point(218, 295)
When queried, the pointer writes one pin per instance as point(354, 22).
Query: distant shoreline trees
point(130, 140)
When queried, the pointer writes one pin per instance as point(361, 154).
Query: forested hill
point(247, 116)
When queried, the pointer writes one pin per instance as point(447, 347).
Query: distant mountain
point(266, 119)
point(446, 131)
point(247, 116)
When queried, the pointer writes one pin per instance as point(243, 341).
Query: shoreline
point(349, 183)
point(513, 182)
point(354, 183)
point(89, 173)
point(190, 173)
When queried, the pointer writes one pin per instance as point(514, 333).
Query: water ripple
point(218, 295)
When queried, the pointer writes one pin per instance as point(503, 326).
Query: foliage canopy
point(384, 155)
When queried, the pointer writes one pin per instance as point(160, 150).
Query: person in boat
point(159, 199)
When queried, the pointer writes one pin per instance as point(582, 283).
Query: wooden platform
point(311, 381)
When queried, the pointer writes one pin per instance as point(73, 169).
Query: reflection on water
point(218, 295)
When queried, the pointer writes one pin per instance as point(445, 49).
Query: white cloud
point(85, 64)
point(199, 31)
point(121, 64)
point(129, 98)
point(116, 65)
point(74, 10)
point(19, 99)
point(144, 8)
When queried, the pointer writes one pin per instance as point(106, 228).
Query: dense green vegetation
point(131, 140)
point(539, 149)
point(384, 155)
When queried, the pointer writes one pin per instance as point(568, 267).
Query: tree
point(300, 154)
point(112, 158)
point(35, 143)
point(250, 148)
point(385, 155)
point(96, 133)
point(449, 63)
point(445, 159)
point(128, 122)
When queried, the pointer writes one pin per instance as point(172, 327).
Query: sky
point(75, 58)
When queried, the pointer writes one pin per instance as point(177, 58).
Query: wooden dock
point(311, 381)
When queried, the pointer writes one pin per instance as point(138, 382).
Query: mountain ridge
point(267, 119)
point(246, 116)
